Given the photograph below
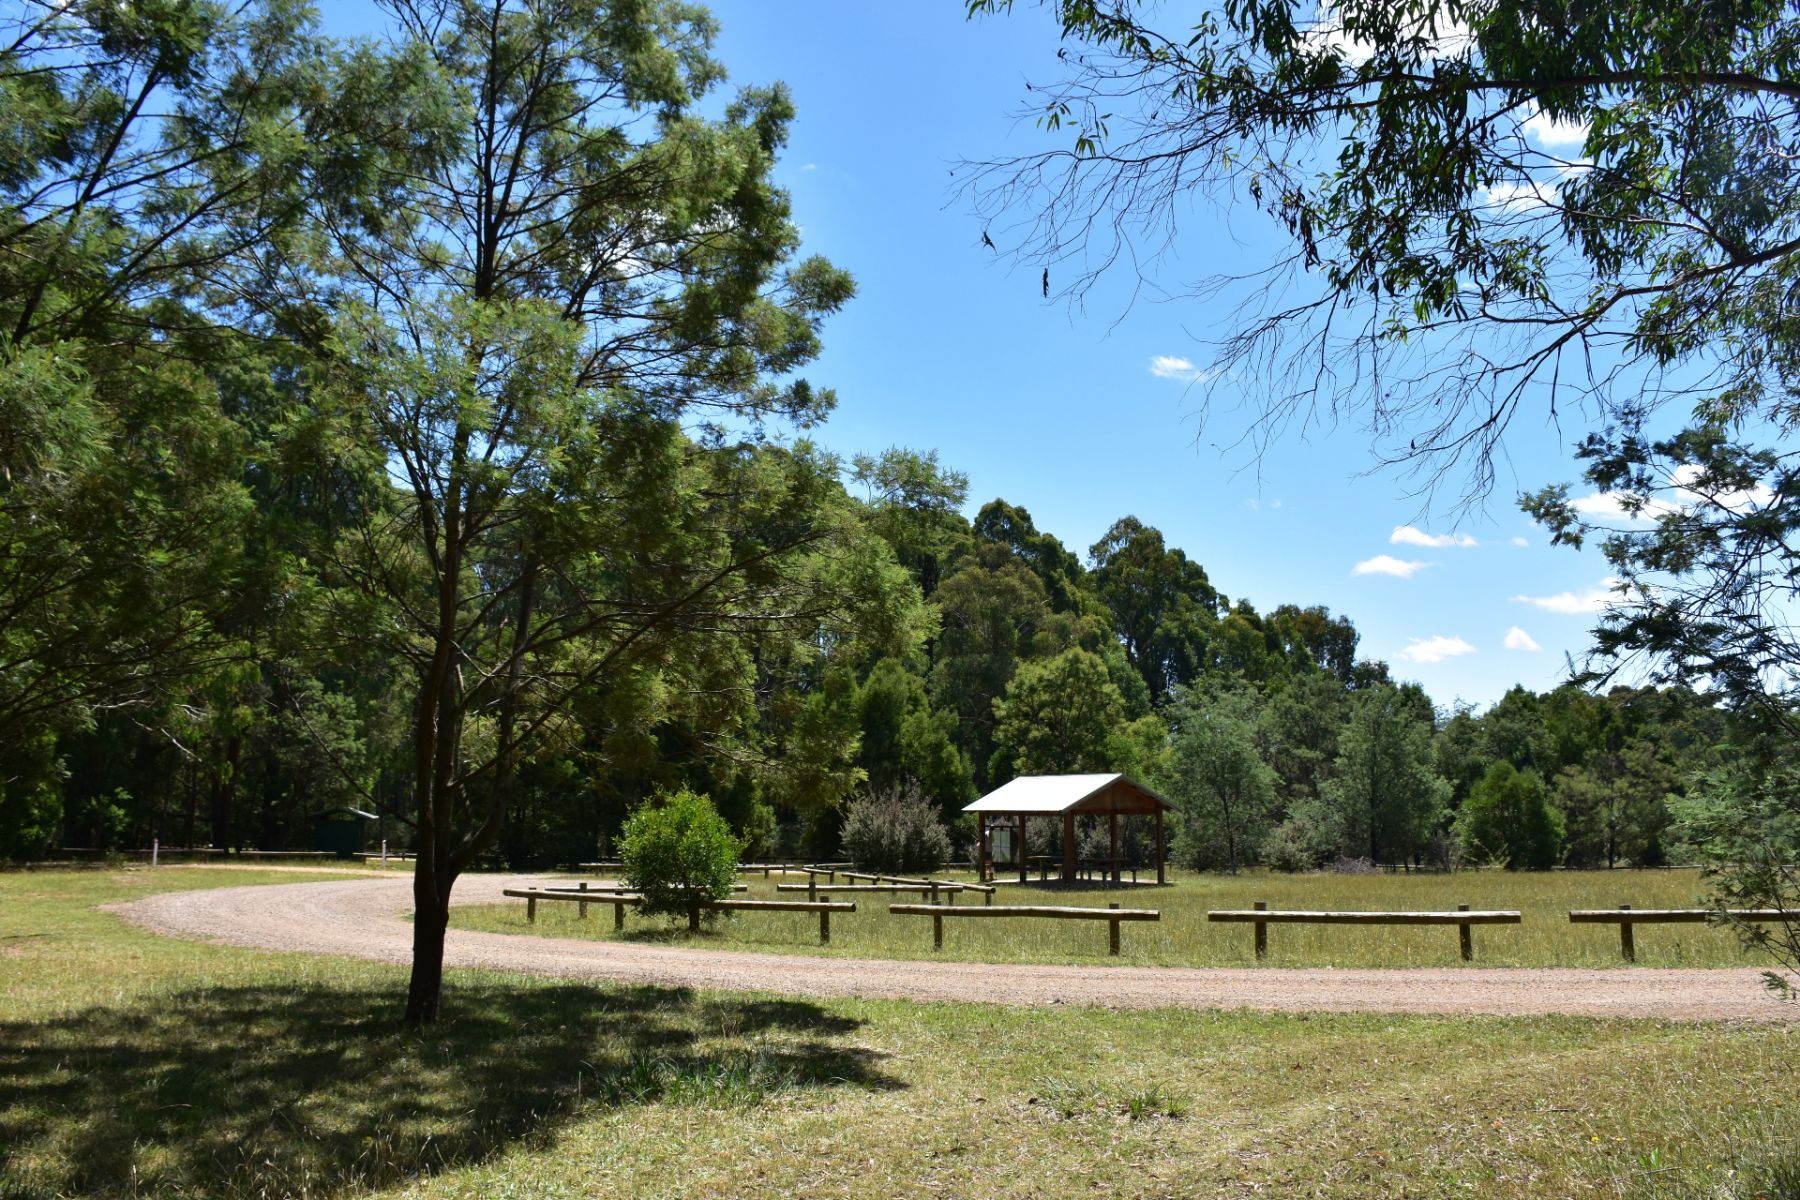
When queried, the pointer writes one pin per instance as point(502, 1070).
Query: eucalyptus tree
point(555, 348)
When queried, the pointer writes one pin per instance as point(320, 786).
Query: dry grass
point(1184, 937)
point(137, 1066)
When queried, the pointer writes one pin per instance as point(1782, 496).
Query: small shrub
point(1353, 866)
point(677, 849)
point(1294, 845)
point(895, 830)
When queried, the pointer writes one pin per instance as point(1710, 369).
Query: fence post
point(1465, 936)
point(693, 918)
point(824, 927)
point(155, 848)
point(1114, 931)
point(937, 931)
point(531, 908)
point(934, 892)
point(1262, 933)
point(812, 887)
point(618, 914)
point(950, 895)
point(583, 905)
point(1627, 946)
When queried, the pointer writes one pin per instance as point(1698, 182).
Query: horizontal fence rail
point(1626, 916)
point(619, 901)
point(1262, 917)
point(812, 887)
point(1113, 915)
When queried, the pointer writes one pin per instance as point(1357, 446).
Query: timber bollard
point(1113, 941)
point(693, 918)
point(812, 887)
point(1627, 944)
point(824, 927)
point(1262, 932)
point(1465, 936)
point(583, 905)
point(618, 914)
point(937, 931)
point(531, 909)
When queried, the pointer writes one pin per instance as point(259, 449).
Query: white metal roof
point(1042, 793)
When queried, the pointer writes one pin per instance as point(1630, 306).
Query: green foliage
point(1057, 716)
point(1745, 822)
point(1386, 798)
point(895, 830)
point(1508, 819)
point(677, 848)
point(1225, 795)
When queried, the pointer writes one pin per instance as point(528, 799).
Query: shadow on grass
point(312, 1090)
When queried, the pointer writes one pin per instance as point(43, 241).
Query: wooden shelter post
point(1068, 848)
point(1161, 853)
point(981, 848)
point(1112, 830)
point(1020, 853)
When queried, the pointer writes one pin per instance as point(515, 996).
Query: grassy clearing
point(136, 1066)
point(1184, 937)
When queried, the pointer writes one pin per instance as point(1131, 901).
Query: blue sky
point(951, 347)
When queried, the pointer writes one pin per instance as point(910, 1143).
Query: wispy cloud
point(1435, 649)
point(1407, 535)
point(1387, 564)
point(1570, 604)
point(1169, 366)
point(809, 166)
point(1521, 195)
point(1518, 639)
point(1520, 542)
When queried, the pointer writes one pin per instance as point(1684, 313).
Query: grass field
point(138, 1066)
point(1184, 937)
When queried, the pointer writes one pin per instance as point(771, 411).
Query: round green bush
point(678, 849)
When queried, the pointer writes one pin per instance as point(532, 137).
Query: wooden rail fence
point(619, 901)
point(1112, 915)
point(1262, 917)
point(1626, 916)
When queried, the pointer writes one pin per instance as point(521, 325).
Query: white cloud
point(1609, 505)
point(1387, 564)
point(1570, 604)
point(1518, 639)
point(1547, 130)
point(809, 166)
point(1169, 366)
point(1435, 649)
point(1407, 535)
point(1520, 542)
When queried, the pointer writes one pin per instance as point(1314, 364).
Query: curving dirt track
point(366, 919)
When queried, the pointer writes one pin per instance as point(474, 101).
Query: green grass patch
point(1184, 937)
point(137, 1066)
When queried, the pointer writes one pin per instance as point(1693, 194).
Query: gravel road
point(365, 918)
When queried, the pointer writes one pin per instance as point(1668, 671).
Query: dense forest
point(415, 425)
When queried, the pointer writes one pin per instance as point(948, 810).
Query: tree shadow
point(313, 1089)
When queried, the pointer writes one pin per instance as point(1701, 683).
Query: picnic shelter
point(1016, 804)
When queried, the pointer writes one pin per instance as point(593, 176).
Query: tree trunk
point(431, 915)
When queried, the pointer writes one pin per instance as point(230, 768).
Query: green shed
point(340, 831)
